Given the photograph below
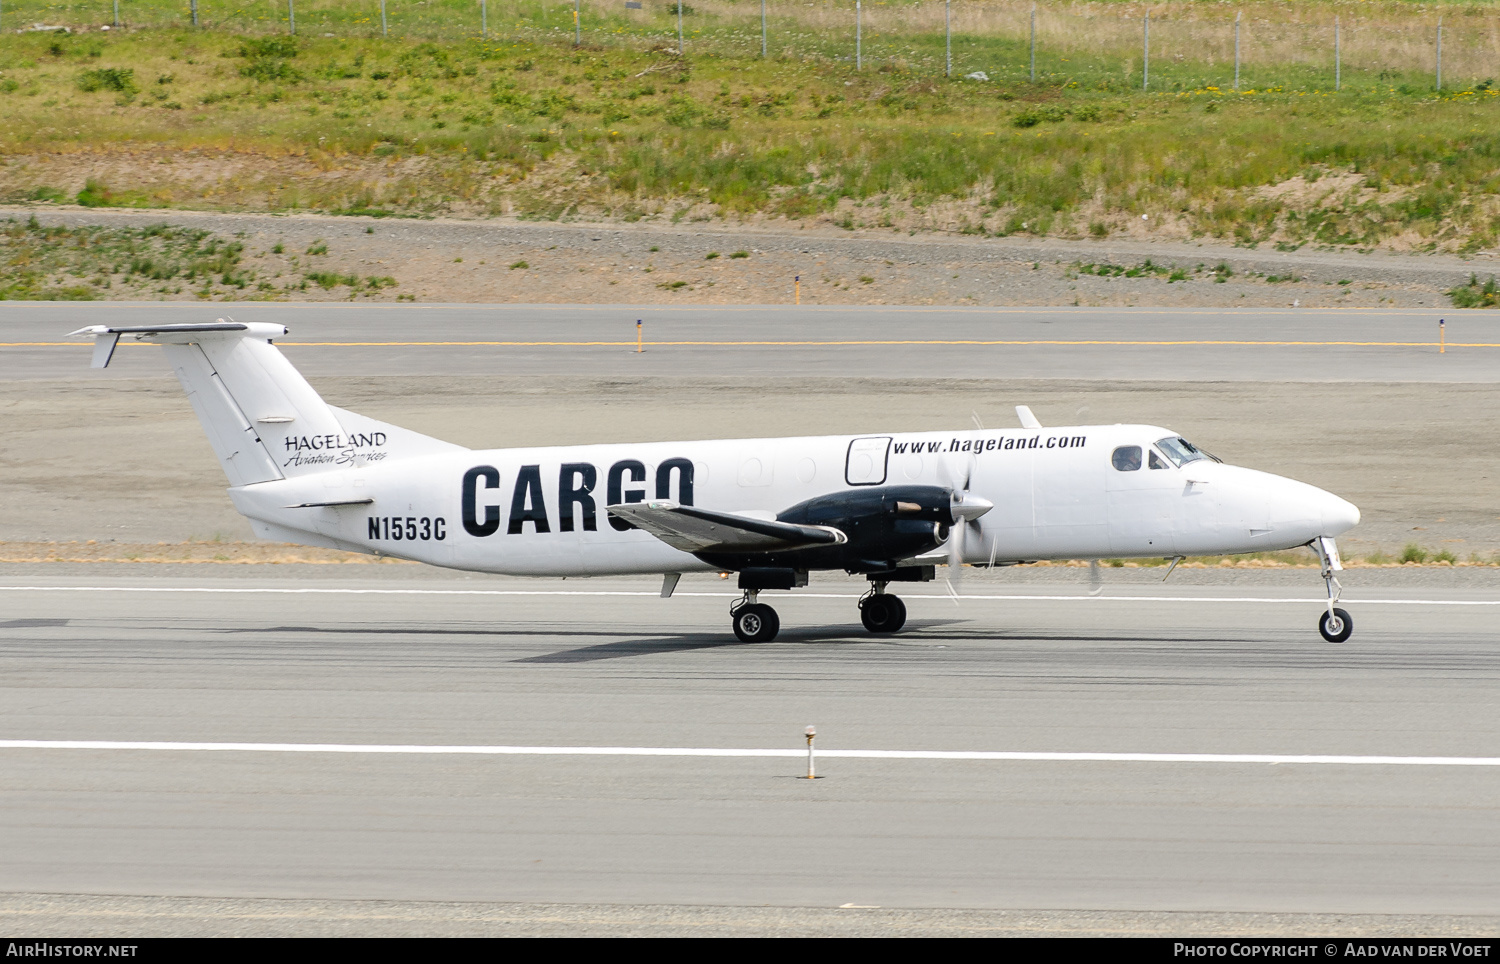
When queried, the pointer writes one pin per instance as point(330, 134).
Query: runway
point(1045, 671)
point(1116, 344)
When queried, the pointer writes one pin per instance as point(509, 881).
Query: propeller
point(1096, 579)
point(965, 508)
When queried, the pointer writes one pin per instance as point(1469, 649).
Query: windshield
point(1181, 451)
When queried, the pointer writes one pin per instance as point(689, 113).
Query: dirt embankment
point(509, 261)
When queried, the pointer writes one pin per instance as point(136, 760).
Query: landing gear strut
point(881, 612)
point(1335, 625)
point(754, 622)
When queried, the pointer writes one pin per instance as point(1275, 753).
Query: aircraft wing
point(692, 529)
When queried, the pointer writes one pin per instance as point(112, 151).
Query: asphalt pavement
point(1114, 344)
point(430, 660)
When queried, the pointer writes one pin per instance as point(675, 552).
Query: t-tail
point(281, 446)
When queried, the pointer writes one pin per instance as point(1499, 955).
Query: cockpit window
point(1181, 451)
point(1156, 461)
point(1127, 458)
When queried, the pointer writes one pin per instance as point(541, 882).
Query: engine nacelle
point(884, 525)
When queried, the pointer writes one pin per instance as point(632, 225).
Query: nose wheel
point(754, 622)
point(881, 612)
point(1336, 625)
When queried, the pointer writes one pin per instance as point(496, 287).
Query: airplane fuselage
point(1058, 493)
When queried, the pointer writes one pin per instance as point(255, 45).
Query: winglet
point(1028, 420)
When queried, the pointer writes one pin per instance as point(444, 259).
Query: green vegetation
point(40, 263)
point(80, 264)
point(1413, 553)
point(1147, 269)
point(1475, 295)
point(328, 280)
point(434, 120)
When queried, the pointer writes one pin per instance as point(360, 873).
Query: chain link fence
point(1105, 45)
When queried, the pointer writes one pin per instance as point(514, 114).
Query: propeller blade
point(1096, 579)
point(956, 554)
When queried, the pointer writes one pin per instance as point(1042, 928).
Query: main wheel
point(882, 613)
point(1336, 626)
point(756, 623)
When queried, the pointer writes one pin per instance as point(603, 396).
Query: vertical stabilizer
point(264, 421)
point(297, 428)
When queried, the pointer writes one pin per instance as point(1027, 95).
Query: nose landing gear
point(881, 612)
point(754, 622)
point(1335, 625)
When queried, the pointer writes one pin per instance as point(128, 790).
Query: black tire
point(882, 613)
point(756, 623)
point(1336, 626)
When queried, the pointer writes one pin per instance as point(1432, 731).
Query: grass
point(1475, 295)
point(80, 264)
point(237, 117)
point(1412, 555)
point(40, 263)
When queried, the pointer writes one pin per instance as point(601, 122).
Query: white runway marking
point(675, 751)
point(1275, 600)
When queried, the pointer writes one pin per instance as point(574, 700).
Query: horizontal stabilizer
point(692, 529)
point(162, 329)
point(107, 337)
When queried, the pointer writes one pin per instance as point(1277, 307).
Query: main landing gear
point(755, 622)
point(881, 612)
point(1335, 625)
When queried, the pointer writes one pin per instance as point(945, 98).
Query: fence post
point(578, 26)
point(484, 20)
point(1146, 54)
point(762, 29)
point(117, 14)
point(195, 12)
point(384, 32)
point(679, 28)
point(1440, 54)
point(1033, 43)
point(1236, 50)
point(291, 13)
point(948, 35)
point(858, 38)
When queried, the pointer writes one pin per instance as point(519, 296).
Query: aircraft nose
point(1339, 515)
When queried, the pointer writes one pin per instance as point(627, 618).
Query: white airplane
point(890, 507)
